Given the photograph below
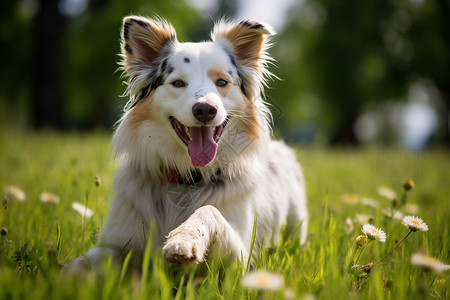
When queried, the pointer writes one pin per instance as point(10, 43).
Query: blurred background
point(352, 72)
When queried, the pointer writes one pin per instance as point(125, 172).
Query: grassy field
point(38, 237)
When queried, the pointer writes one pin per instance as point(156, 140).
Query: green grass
point(41, 237)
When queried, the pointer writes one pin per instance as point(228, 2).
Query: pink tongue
point(202, 148)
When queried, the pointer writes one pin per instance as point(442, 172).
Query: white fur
point(258, 176)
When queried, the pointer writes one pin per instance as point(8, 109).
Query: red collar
point(174, 176)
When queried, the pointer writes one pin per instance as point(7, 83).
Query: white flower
point(349, 225)
point(16, 192)
point(49, 197)
point(428, 262)
point(82, 210)
point(374, 233)
point(289, 293)
point(387, 193)
point(369, 202)
point(363, 219)
point(262, 280)
point(388, 212)
point(414, 223)
point(411, 208)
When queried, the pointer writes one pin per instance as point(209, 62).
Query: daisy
point(374, 233)
point(349, 227)
point(388, 212)
point(387, 193)
point(16, 192)
point(414, 223)
point(411, 208)
point(262, 280)
point(49, 197)
point(82, 210)
point(369, 202)
point(363, 219)
point(428, 262)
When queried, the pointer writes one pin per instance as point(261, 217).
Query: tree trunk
point(446, 120)
point(47, 90)
point(344, 133)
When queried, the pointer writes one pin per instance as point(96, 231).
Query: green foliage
point(38, 238)
point(339, 59)
point(89, 54)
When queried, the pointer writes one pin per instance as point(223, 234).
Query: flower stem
point(393, 249)
point(362, 251)
point(353, 256)
point(404, 196)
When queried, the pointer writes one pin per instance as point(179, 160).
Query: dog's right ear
point(143, 40)
point(145, 44)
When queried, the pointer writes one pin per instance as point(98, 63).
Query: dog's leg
point(90, 260)
point(191, 240)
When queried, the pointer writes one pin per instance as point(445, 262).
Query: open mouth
point(200, 140)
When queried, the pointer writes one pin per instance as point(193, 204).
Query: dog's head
point(186, 98)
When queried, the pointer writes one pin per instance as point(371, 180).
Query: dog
point(197, 162)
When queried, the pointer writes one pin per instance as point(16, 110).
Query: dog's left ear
point(247, 42)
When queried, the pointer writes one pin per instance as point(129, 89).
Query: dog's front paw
point(78, 266)
point(185, 246)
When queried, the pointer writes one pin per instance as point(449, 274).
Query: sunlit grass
point(38, 236)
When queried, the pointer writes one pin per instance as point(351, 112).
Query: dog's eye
point(221, 82)
point(179, 83)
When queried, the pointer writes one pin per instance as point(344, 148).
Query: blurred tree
point(429, 35)
point(15, 38)
point(61, 58)
point(46, 82)
point(339, 62)
point(341, 56)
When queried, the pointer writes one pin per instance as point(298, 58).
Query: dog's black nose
point(204, 112)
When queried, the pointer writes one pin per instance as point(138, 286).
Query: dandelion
point(82, 210)
point(15, 192)
point(262, 280)
point(48, 197)
point(387, 193)
point(414, 223)
point(374, 233)
point(427, 262)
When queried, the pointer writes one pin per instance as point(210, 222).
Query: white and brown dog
point(195, 149)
